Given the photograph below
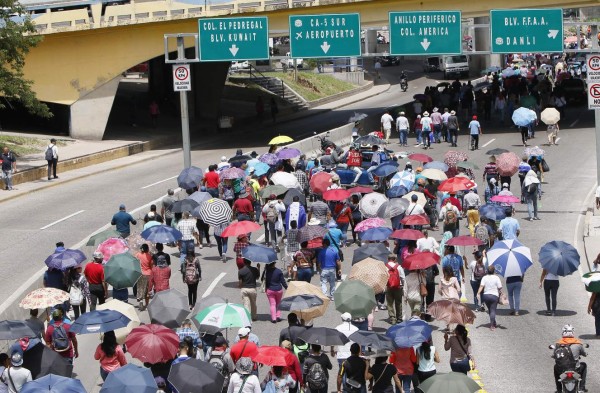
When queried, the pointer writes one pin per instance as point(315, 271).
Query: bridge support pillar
point(482, 42)
point(208, 80)
point(371, 41)
point(89, 114)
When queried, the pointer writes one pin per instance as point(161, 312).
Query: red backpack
point(394, 281)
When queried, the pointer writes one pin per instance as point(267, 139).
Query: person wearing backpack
point(567, 353)
point(449, 215)
point(277, 380)
point(242, 380)
point(191, 273)
point(79, 290)
point(59, 338)
point(394, 289)
point(272, 217)
point(532, 192)
point(51, 156)
point(220, 359)
point(315, 371)
point(478, 268)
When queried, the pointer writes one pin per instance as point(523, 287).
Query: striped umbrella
point(404, 178)
point(370, 204)
point(215, 212)
point(224, 315)
point(510, 258)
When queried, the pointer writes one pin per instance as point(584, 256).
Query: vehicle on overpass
point(450, 65)
point(239, 65)
point(289, 62)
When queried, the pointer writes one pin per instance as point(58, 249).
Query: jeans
point(437, 132)
point(419, 136)
point(406, 380)
point(184, 245)
point(304, 274)
point(461, 366)
point(249, 301)
point(214, 192)
point(524, 132)
point(344, 229)
point(274, 300)
point(491, 301)
point(514, 295)
point(453, 136)
point(52, 167)
point(328, 276)
point(270, 233)
point(550, 291)
point(426, 139)
point(475, 286)
point(192, 294)
point(7, 176)
point(221, 245)
point(532, 207)
point(96, 295)
point(103, 374)
point(597, 322)
point(403, 137)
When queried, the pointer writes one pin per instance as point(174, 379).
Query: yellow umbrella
point(304, 288)
point(126, 309)
point(280, 140)
point(372, 272)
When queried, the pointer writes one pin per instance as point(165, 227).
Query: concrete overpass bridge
point(86, 48)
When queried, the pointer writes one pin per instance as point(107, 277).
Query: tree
point(16, 38)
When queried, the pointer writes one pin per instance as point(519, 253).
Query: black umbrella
point(289, 197)
point(169, 308)
point(195, 375)
point(300, 302)
point(373, 340)
point(309, 232)
point(240, 158)
point(200, 196)
point(323, 336)
point(495, 152)
point(372, 250)
point(41, 360)
point(185, 205)
point(190, 178)
point(12, 330)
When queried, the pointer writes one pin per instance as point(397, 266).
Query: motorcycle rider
point(354, 162)
point(403, 81)
point(575, 347)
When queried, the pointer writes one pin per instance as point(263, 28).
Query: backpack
point(532, 188)
point(60, 340)
point(451, 217)
point(316, 377)
point(564, 359)
point(478, 272)
point(191, 274)
point(216, 360)
point(161, 260)
point(482, 234)
point(272, 215)
point(394, 281)
point(228, 194)
point(75, 294)
point(49, 154)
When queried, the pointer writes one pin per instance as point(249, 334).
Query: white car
point(289, 62)
point(239, 65)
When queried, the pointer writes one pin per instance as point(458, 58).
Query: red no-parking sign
point(182, 80)
point(594, 96)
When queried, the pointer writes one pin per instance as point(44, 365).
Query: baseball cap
point(505, 185)
point(98, 255)
point(243, 332)
point(16, 359)
point(346, 317)
point(121, 207)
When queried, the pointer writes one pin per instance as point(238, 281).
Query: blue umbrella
point(99, 321)
point(190, 177)
point(492, 211)
point(376, 234)
point(396, 192)
point(409, 333)
point(130, 379)
point(161, 234)
point(200, 196)
point(259, 254)
point(436, 165)
point(65, 259)
point(54, 384)
point(404, 178)
point(559, 258)
point(510, 258)
point(522, 117)
point(260, 168)
point(385, 169)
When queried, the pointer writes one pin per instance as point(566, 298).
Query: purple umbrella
point(233, 173)
point(65, 259)
point(269, 158)
point(288, 152)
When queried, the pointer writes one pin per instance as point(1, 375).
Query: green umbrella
point(354, 297)
point(224, 315)
point(592, 281)
point(273, 189)
point(466, 165)
point(122, 271)
point(449, 383)
point(528, 101)
point(99, 237)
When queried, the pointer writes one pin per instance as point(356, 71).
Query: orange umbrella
point(240, 228)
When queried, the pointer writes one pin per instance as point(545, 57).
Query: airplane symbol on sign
point(298, 35)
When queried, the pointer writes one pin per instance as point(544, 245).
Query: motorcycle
point(570, 380)
point(403, 82)
point(327, 146)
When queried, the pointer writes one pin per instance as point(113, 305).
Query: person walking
point(51, 156)
point(94, 274)
point(426, 130)
point(472, 202)
point(478, 271)
point(59, 338)
point(449, 287)
point(459, 345)
point(280, 380)
point(274, 285)
point(189, 234)
point(453, 128)
point(154, 112)
point(121, 221)
point(242, 380)
point(550, 283)
point(110, 354)
point(272, 211)
point(404, 359)
point(354, 370)
point(475, 131)
point(9, 166)
point(79, 290)
point(437, 120)
point(16, 375)
point(328, 265)
point(418, 131)
point(247, 277)
point(403, 127)
point(161, 274)
point(166, 203)
point(381, 375)
point(427, 357)
point(386, 125)
point(221, 241)
point(489, 290)
point(532, 192)
point(552, 133)
point(594, 310)
point(144, 282)
point(394, 289)
point(414, 295)
point(513, 289)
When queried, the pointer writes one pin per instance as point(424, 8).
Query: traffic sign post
point(594, 96)
point(526, 30)
point(425, 33)
point(593, 68)
point(232, 39)
point(182, 80)
point(326, 35)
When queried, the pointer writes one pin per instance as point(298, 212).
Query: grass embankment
point(23, 145)
point(313, 86)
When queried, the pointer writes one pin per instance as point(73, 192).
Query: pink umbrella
point(505, 199)
point(233, 173)
point(507, 163)
point(112, 246)
point(452, 157)
point(369, 223)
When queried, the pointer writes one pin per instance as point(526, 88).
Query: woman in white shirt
point(242, 380)
point(427, 357)
point(550, 283)
point(428, 243)
point(489, 290)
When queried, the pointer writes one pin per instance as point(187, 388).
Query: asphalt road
point(514, 357)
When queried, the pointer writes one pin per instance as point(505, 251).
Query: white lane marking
point(61, 220)
point(573, 124)
point(158, 182)
point(489, 142)
point(338, 283)
point(557, 139)
point(213, 284)
point(260, 238)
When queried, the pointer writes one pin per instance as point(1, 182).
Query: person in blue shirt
point(455, 262)
point(334, 235)
point(509, 227)
point(121, 220)
point(475, 131)
point(328, 264)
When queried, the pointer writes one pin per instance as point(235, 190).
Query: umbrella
point(224, 315)
point(371, 250)
point(152, 343)
point(559, 258)
point(409, 333)
point(99, 237)
point(505, 199)
point(240, 228)
point(372, 340)
point(195, 375)
point(161, 234)
point(496, 152)
point(273, 190)
point(130, 379)
point(451, 311)
point(360, 190)
point(527, 101)
point(310, 232)
point(372, 272)
point(369, 140)
point(436, 165)
point(533, 151)
point(215, 212)
point(259, 254)
point(319, 182)
point(280, 140)
point(368, 224)
point(291, 193)
point(434, 174)
point(464, 240)
point(396, 192)
point(421, 200)
point(407, 234)
point(492, 211)
point(168, 308)
point(112, 246)
point(370, 204)
point(420, 157)
point(125, 309)
point(269, 159)
point(300, 302)
point(449, 383)
point(239, 159)
point(190, 178)
point(135, 241)
point(415, 219)
point(522, 117)
point(260, 168)
point(376, 234)
point(288, 180)
point(199, 197)
point(52, 383)
point(304, 288)
point(323, 336)
point(451, 158)
point(466, 165)
point(232, 173)
point(43, 298)
point(271, 355)
point(393, 208)
point(385, 169)
point(508, 164)
point(336, 195)
point(99, 321)
point(550, 116)
point(421, 260)
point(288, 152)
point(404, 178)
point(13, 330)
point(122, 271)
point(65, 259)
point(206, 302)
point(591, 281)
point(455, 184)
point(41, 360)
point(354, 297)
point(185, 205)
point(509, 257)
point(357, 117)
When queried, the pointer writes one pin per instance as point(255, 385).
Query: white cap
point(346, 317)
point(223, 158)
point(243, 332)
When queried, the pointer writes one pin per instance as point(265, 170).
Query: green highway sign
point(326, 35)
point(425, 33)
point(229, 39)
point(526, 30)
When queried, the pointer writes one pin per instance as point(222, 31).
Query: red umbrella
point(319, 182)
point(152, 343)
point(240, 228)
point(407, 234)
point(336, 195)
point(464, 240)
point(455, 184)
point(420, 157)
point(274, 356)
point(415, 219)
point(421, 260)
point(360, 190)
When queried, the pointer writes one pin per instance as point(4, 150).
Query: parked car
point(574, 89)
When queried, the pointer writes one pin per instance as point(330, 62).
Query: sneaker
point(224, 258)
point(548, 312)
point(516, 314)
point(482, 308)
point(536, 218)
point(200, 246)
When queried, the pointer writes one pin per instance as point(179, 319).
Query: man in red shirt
point(211, 181)
point(453, 200)
point(243, 209)
point(244, 347)
point(67, 350)
point(354, 162)
point(94, 273)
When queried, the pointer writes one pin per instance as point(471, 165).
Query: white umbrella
point(434, 174)
point(421, 197)
point(370, 204)
point(550, 116)
point(126, 309)
point(285, 179)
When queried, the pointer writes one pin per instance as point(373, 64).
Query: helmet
point(568, 331)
